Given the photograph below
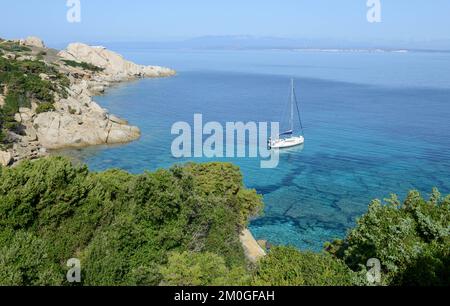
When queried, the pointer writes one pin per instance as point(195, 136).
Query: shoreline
point(253, 251)
point(75, 119)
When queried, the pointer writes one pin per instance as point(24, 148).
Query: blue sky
point(149, 20)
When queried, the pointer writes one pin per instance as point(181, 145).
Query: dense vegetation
point(83, 65)
point(21, 82)
point(180, 227)
point(286, 266)
point(9, 46)
point(125, 229)
point(411, 239)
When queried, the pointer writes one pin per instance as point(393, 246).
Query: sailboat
point(289, 139)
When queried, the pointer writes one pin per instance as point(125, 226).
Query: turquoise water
point(375, 124)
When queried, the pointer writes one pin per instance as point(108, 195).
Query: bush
point(411, 239)
point(45, 107)
point(13, 47)
point(83, 65)
point(201, 269)
point(287, 266)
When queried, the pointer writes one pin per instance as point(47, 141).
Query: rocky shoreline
point(76, 120)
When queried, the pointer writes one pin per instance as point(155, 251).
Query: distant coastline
point(249, 42)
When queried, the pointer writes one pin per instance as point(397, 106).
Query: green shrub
point(25, 260)
point(13, 47)
point(287, 266)
point(83, 65)
point(2, 135)
point(411, 239)
point(45, 107)
point(201, 269)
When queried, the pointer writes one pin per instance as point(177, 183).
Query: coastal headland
point(72, 118)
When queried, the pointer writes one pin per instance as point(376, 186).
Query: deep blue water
point(375, 124)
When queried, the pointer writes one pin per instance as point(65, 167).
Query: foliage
point(10, 46)
point(21, 81)
point(411, 240)
point(45, 107)
point(181, 227)
point(25, 260)
point(201, 269)
point(287, 266)
point(121, 226)
point(83, 65)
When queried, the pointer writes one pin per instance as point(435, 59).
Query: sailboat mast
point(292, 104)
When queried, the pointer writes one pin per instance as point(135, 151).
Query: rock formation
point(252, 249)
point(77, 120)
point(32, 41)
point(116, 68)
point(5, 158)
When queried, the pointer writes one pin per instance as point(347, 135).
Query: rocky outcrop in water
point(75, 120)
point(116, 68)
point(78, 121)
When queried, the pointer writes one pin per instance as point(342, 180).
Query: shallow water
point(375, 124)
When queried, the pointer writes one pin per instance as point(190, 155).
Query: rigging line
point(298, 112)
point(285, 112)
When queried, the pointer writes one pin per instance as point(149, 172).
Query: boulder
point(60, 130)
point(18, 118)
point(95, 90)
point(119, 133)
point(24, 110)
point(5, 158)
point(31, 134)
point(33, 41)
point(24, 115)
point(44, 76)
point(252, 249)
point(117, 120)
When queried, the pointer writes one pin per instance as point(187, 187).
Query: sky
point(156, 20)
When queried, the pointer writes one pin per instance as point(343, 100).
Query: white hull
point(287, 142)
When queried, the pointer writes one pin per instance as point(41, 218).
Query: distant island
point(251, 42)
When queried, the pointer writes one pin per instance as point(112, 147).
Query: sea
point(375, 124)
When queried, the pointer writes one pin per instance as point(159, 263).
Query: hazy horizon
point(404, 23)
